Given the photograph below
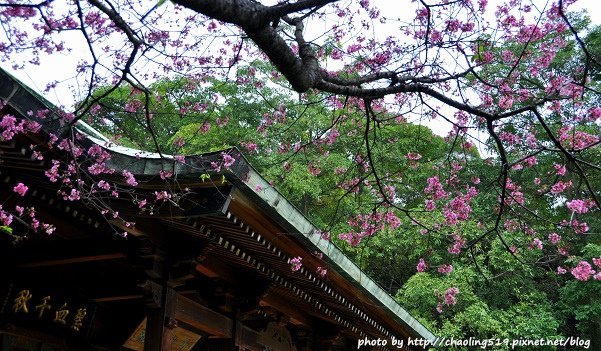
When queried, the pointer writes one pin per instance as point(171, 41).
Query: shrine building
point(210, 270)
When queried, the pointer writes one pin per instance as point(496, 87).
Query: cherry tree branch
point(569, 156)
point(37, 6)
point(285, 9)
point(132, 36)
point(580, 42)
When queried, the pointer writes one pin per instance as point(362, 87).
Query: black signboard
point(53, 311)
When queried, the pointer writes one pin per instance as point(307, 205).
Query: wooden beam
point(74, 260)
point(118, 298)
point(195, 315)
point(247, 339)
point(284, 306)
point(203, 318)
point(213, 268)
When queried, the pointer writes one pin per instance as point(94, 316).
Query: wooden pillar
point(160, 318)
point(160, 321)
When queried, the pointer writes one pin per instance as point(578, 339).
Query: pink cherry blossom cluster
point(580, 206)
point(9, 127)
point(583, 271)
point(554, 238)
point(458, 208)
point(295, 263)
point(435, 188)
point(457, 245)
point(449, 298)
point(322, 271)
point(24, 216)
point(20, 189)
point(366, 225)
point(421, 265)
point(577, 140)
point(226, 162)
point(445, 269)
point(129, 178)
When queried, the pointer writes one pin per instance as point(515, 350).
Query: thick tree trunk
point(255, 19)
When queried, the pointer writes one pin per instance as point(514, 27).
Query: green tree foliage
point(500, 296)
point(297, 149)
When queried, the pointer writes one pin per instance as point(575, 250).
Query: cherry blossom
point(445, 269)
point(578, 206)
point(295, 263)
point(450, 296)
point(421, 265)
point(129, 178)
point(20, 189)
point(583, 271)
point(322, 271)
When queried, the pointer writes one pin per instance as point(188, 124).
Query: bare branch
point(119, 22)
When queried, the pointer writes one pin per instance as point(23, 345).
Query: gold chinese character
point(21, 301)
point(61, 314)
point(43, 306)
point(77, 320)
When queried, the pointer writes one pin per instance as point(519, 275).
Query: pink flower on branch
point(583, 271)
point(435, 188)
point(579, 227)
point(430, 205)
point(5, 217)
point(445, 269)
point(421, 265)
point(577, 139)
point(129, 179)
point(413, 156)
point(179, 142)
point(20, 189)
point(531, 161)
point(560, 169)
point(162, 195)
point(560, 187)
point(165, 174)
point(536, 244)
point(250, 146)
point(48, 228)
point(313, 170)
point(506, 102)
point(457, 245)
point(228, 160)
point(449, 296)
point(578, 206)
point(322, 271)
point(295, 263)
point(554, 238)
point(74, 195)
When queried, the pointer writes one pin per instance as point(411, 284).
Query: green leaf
point(204, 177)
point(6, 229)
